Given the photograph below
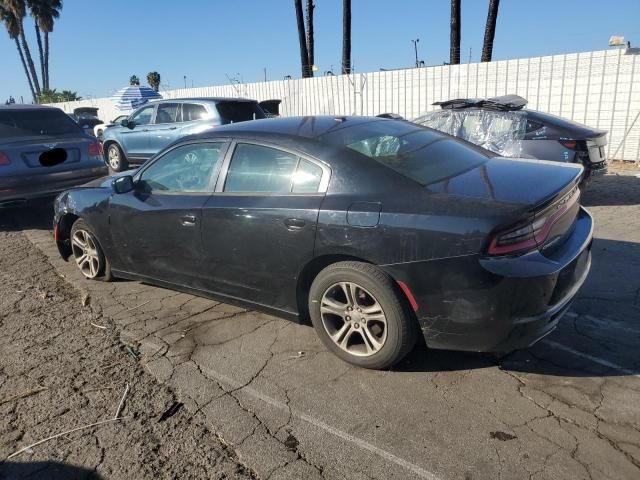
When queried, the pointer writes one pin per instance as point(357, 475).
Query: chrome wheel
point(85, 253)
point(353, 319)
point(114, 157)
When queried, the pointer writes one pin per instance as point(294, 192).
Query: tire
point(87, 253)
point(116, 159)
point(377, 339)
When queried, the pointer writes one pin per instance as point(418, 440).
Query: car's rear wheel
point(359, 314)
point(116, 158)
point(88, 253)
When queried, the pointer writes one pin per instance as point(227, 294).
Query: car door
point(157, 226)
point(166, 126)
point(135, 137)
point(259, 227)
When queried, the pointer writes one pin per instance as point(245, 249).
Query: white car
point(99, 129)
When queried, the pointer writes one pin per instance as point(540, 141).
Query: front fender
point(90, 204)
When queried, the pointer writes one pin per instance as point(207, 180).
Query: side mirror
point(126, 123)
point(122, 184)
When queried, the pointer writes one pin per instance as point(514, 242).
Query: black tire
point(401, 325)
point(115, 158)
point(103, 268)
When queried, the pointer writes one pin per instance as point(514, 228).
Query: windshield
point(36, 122)
point(232, 112)
point(420, 154)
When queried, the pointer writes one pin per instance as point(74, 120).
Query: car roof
point(203, 99)
point(306, 127)
point(21, 106)
point(504, 102)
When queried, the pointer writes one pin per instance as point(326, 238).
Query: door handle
point(172, 128)
point(294, 223)
point(188, 220)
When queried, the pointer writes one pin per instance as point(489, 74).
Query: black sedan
point(377, 230)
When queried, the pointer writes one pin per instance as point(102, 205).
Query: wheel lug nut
point(348, 318)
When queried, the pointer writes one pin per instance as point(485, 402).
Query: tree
point(11, 24)
point(454, 45)
point(346, 36)
point(53, 96)
point(69, 96)
point(134, 80)
point(310, 39)
point(302, 39)
point(153, 79)
point(490, 31)
point(19, 10)
point(44, 12)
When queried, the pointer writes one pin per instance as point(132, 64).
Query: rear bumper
point(21, 188)
point(496, 304)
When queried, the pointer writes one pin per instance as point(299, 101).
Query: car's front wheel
point(88, 253)
point(359, 314)
point(116, 158)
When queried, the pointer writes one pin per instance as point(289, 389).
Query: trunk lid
point(33, 155)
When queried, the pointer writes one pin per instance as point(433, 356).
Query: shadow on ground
point(45, 471)
point(612, 190)
point(33, 215)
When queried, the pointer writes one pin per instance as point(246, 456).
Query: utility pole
point(185, 81)
point(415, 48)
point(265, 73)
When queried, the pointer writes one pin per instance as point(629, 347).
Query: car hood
point(105, 182)
point(520, 183)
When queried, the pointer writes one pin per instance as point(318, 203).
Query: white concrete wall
point(600, 89)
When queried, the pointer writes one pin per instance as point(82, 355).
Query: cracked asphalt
point(286, 408)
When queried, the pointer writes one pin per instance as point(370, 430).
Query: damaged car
point(379, 231)
point(502, 125)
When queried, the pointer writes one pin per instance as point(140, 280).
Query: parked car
point(503, 126)
point(378, 230)
point(157, 124)
point(271, 108)
point(43, 152)
point(86, 117)
point(99, 129)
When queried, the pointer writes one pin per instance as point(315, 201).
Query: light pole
point(415, 49)
point(185, 81)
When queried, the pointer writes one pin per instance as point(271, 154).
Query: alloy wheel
point(354, 319)
point(114, 157)
point(85, 253)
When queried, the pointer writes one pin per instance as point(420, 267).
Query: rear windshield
point(30, 123)
point(420, 154)
point(232, 112)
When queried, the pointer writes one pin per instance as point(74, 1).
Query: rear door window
point(261, 169)
point(193, 111)
point(169, 113)
point(36, 122)
point(232, 112)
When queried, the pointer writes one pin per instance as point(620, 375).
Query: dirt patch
point(59, 372)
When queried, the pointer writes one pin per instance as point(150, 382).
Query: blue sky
point(97, 45)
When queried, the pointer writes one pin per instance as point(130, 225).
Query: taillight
point(528, 236)
point(95, 149)
point(4, 160)
point(570, 144)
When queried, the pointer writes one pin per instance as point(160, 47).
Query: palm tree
point(12, 25)
point(490, 31)
point(153, 79)
point(44, 13)
point(68, 96)
point(310, 39)
point(134, 80)
point(304, 52)
point(454, 46)
point(19, 10)
point(346, 36)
